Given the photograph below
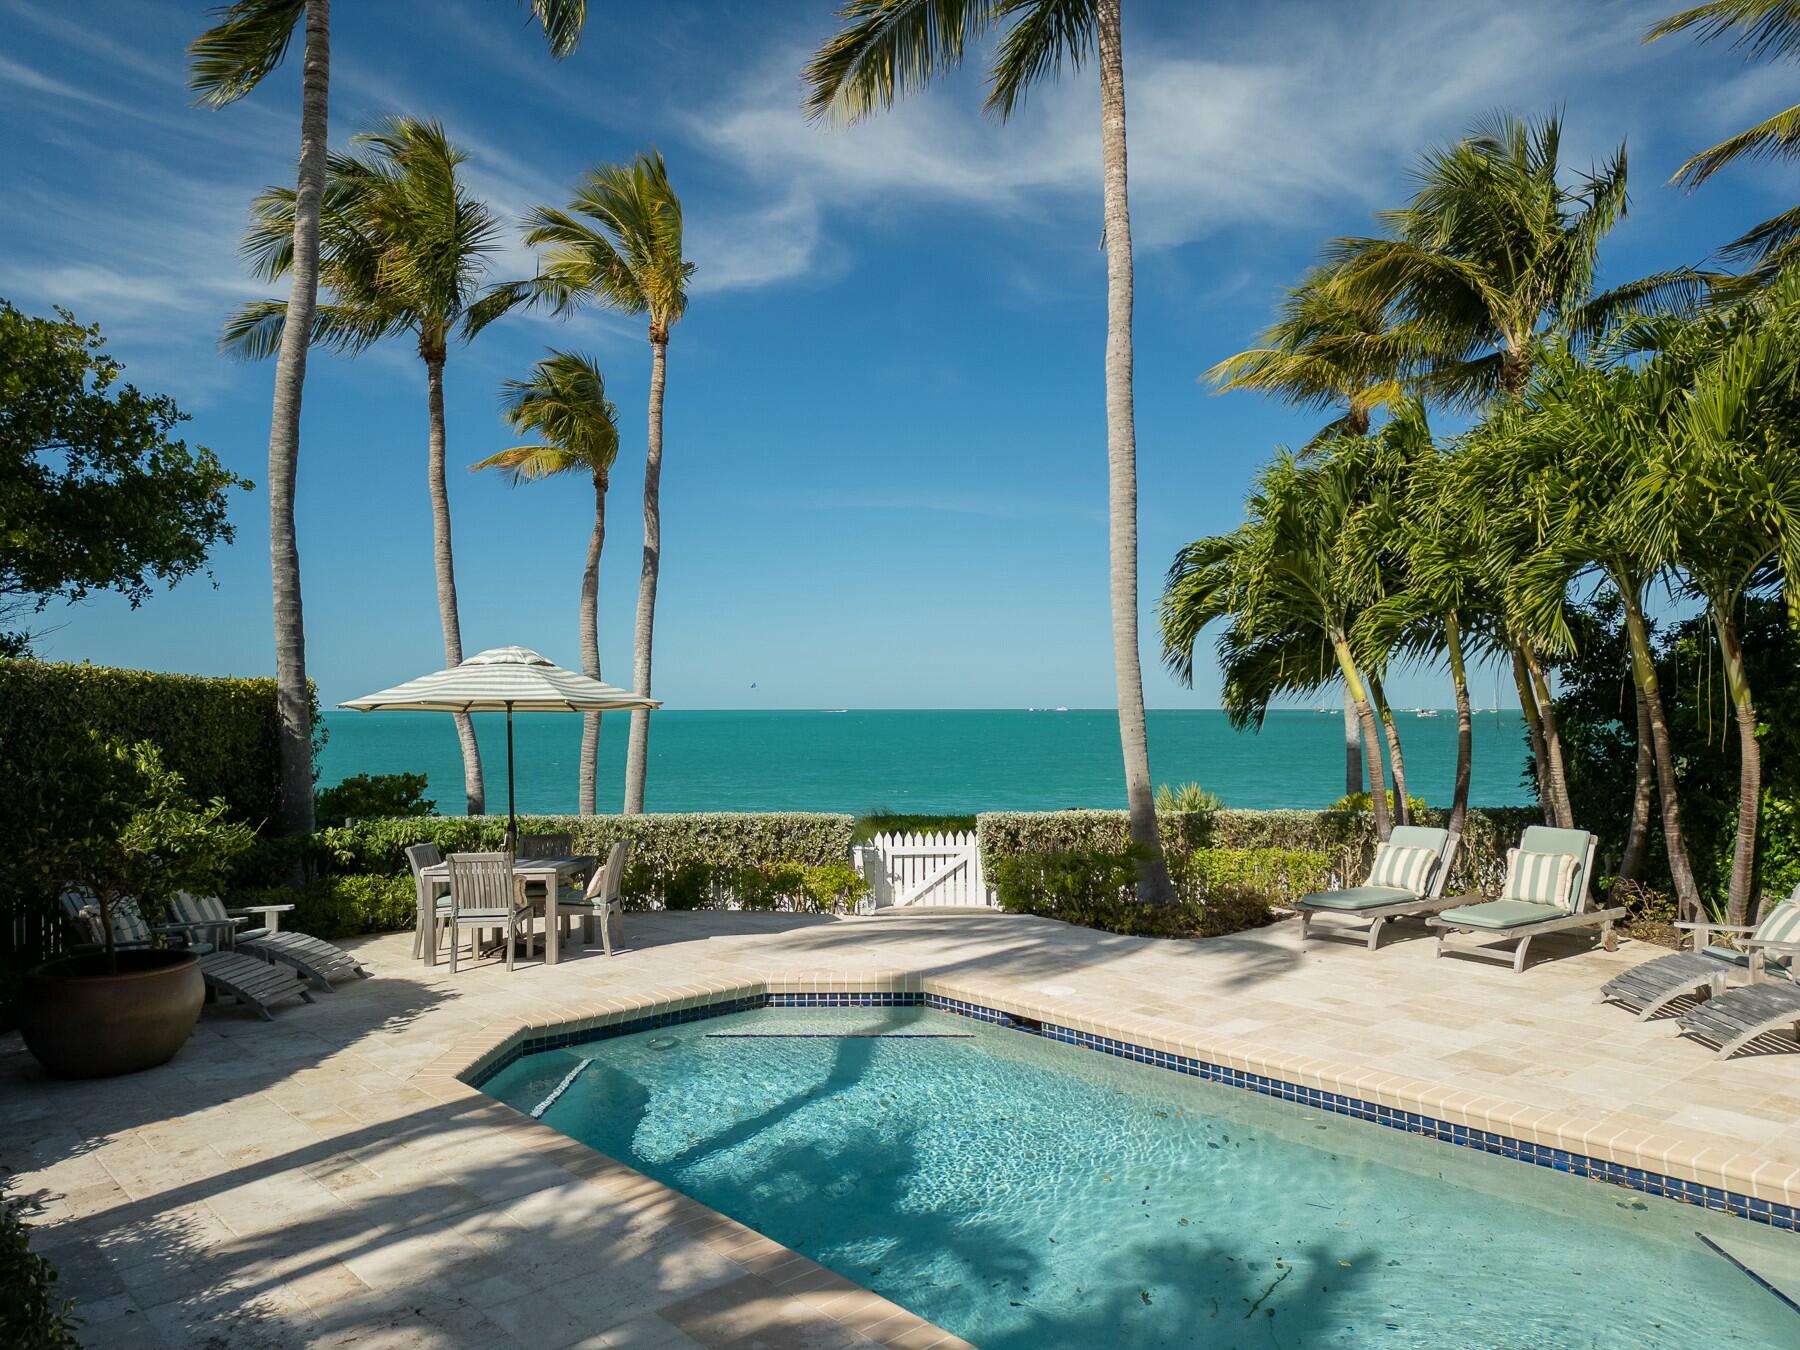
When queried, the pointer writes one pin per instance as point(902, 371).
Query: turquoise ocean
point(949, 761)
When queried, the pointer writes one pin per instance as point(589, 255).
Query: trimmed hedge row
point(219, 734)
point(1345, 837)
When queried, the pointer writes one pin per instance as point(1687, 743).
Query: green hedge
point(219, 734)
point(1345, 837)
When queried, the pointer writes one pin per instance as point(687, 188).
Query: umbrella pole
point(512, 819)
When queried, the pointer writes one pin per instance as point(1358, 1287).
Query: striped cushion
point(128, 926)
point(1540, 878)
point(1781, 924)
point(1403, 867)
point(191, 908)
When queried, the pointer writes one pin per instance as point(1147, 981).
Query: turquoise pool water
point(1032, 1196)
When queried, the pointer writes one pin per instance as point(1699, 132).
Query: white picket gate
point(920, 871)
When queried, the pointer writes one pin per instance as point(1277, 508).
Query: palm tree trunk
point(1553, 751)
point(474, 789)
point(1743, 854)
point(1365, 718)
point(1643, 786)
point(1353, 759)
point(590, 649)
point(1465, 722)
point(293, 697)
point(1396, 761)
point(637, 750)
point(1643, 667)
point(1154, 885)
point(1534, 729)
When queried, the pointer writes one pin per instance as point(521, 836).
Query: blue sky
point(884, 480)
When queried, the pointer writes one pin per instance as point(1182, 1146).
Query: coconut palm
point(1495, 246)
point(564, 405)
point(1287, 582)
point(1332, 348)
point(403, 248)
point(887, 48)
point(618, 245)
point(226, 62)
point(1761, 28)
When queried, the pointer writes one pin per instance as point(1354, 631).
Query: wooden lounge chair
point(319, 961)
point(599, 899)
point(253, 983)
point(1523, 913)
point(1377, 902)
point(1706, 970)
point(1735, 1018)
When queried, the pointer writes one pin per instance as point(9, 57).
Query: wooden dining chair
point(430, 911)
point(600, 899)
point(483, 894)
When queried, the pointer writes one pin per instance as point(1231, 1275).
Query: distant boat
point(1425, 712)
point(1061, 710)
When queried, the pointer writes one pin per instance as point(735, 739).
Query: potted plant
point(136, 838)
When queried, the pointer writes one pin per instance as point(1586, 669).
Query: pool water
point(1028, 1195)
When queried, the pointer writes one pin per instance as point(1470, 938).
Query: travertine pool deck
point(328, 1180)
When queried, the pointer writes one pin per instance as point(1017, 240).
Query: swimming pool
point(1029, 1196)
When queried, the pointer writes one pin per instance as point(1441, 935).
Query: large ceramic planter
point(84, 1019)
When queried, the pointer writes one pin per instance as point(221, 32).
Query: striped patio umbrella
point(508, 680)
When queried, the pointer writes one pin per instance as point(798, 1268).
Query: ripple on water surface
point(1031, 1196)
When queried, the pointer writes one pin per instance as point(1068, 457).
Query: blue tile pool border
point(1769, 1212)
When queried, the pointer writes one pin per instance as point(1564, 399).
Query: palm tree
point(1589, 435)
point(1493, 248)
point(1721, 498)
point(226, 62)
point(890, 47)
point(1332, 348)
point(1762, 28)
point(1287, 581)
point(628, 259)
point(402, 251)
point(564, 404)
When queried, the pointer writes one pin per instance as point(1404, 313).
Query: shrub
point(833, 888)
point(32, 1317)
point(1347, 838)
point(1361, 801)
point(338, 907)
point(1186, 797)
point(892, 822)
point(372, 795)
point(1273, 874)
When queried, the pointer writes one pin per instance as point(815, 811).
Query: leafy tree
point(375, 796)
point(95, 492)
point(403, 249)
point(564, 404)
point(887, 48)
point(628, 259)
point(227, 61)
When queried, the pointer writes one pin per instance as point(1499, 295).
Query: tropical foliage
point(1624, 447)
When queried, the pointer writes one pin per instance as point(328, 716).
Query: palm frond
point(888, 48)
point(562, 21)
point(1764, 27)
point(1776, 137)
point(1044, 36)
point(248, 41)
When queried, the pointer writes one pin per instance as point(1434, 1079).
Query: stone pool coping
point(1743, 1184)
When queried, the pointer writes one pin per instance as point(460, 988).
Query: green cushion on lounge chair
point(1358, 897)
point(1503, 914)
